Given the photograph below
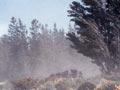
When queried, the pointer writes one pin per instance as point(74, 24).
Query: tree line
point(24, 49)
point(96, 35)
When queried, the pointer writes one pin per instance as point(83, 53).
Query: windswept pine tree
point(97, 31)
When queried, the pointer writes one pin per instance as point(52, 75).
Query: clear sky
point(46, 11)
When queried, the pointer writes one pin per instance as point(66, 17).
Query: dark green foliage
point(97, 30)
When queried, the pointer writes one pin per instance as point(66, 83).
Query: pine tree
point(18, 46)
point(17, 34)
point(96, 31)
point(35, 37)
point(58, 40)
point(34, 45)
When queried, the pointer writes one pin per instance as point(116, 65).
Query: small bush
point(25, 84)
point(87, 86)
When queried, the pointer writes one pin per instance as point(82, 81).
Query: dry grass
point(64, 81)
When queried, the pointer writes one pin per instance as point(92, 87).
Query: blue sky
point(46, 11)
